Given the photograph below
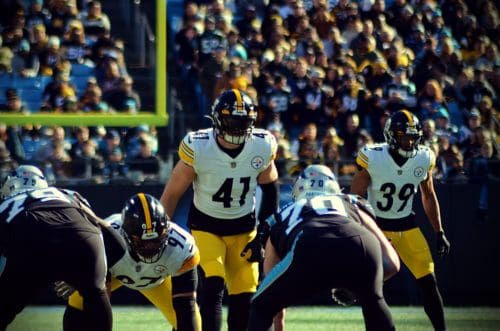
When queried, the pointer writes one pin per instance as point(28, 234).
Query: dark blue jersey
point(47, 198)
point(326, 215)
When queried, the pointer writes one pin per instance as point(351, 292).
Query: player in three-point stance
point(322, 240)
point(148, 253)
point(49, 234)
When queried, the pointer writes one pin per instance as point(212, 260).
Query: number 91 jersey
point(224, 186)
point(393, 187)
point(179, 256)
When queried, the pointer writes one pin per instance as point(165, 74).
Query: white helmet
point(23, 178)
point(313, 181)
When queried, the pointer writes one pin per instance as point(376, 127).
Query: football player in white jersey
point(148, 253)
point(390, 173)
point(224, 165)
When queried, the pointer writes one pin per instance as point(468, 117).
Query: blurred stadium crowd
point(60, 56)
point(325, 75)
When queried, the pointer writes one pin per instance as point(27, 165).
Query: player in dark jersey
point(324, 240)
point(49, 234)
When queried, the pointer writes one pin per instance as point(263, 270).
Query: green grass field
point(139, 318)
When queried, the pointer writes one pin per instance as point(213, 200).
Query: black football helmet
point(403, 133)
point(145, 227)
point(233, 116)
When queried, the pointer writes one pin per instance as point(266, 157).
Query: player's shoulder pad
point(179, 229)
point(367, 153)
point(261, 135)
point(75, 196)
point(114, 243)
point(115, 221)
point(362, 204)
point(284, 212)
point(265, 137)
point(428, 154)
point(187, 146)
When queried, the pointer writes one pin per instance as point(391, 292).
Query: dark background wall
point(468, 276)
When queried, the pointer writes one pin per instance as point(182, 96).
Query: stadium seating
point(81, 70)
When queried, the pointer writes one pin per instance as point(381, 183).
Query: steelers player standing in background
point(390, 174)
point(224, 164)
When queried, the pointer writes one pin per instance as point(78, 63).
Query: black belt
point(397, 224)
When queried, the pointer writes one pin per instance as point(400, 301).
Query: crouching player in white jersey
point(148, 253)
point(224, 165)
point(391, 174)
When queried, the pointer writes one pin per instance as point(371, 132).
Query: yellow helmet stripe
point(147, 214)
point(409, 116)
point(239, 100)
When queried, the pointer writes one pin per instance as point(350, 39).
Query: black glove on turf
point(443, 245)
point(343, 296)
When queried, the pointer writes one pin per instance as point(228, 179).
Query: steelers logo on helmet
point(145, 227)
point(403, 133)
point(233, 116)
point(315, 180)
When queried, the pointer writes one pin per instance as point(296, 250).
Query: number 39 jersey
point(393, 187)
point(179, 256)
point(224, 186)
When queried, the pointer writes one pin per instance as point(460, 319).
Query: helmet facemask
point(149, 247)
point(407, 144)
point(235, 129)
point(402, 135)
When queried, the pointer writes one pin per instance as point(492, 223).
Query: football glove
point(343, 296)
point(63, 290)
point(443, 245)
point(257, 251)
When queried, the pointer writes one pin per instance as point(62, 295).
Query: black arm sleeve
point(185, 308)
point(185, 283)
point(115, 245)
point(270, 200)
point(268, 206)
